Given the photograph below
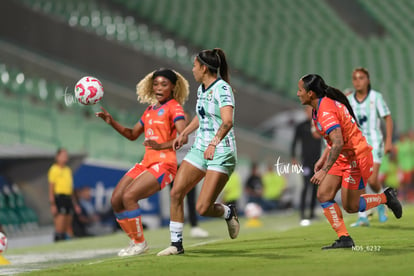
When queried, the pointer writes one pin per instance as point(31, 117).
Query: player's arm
point(226, 113)
point(388, 133)
point(52, 202)
point(319, 164)
point(131, 134)
point(183, 137)
point(337, 144)
point(336, 148)
point(179, 125)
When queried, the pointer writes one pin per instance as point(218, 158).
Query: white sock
point(362, 214)
point(176, 231)
point(227, 211)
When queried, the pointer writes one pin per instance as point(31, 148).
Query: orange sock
point(371, 201)
point(124, 224)
point(137, 232)
point(333, 213)
point(133, 228)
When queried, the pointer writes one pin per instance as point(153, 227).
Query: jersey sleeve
point(382, 107)
point(328, 119)
point(177, 112)
point(224, 95)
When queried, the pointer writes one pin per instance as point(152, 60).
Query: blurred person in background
point(347, 161)
point(311, 146)
point(61, 196)
point(89, 222)
point(388, 174)
point(370, 107)
point(273, 187)
point(404, 159)
point(196, 231)
point(254, 186)
point(213, 155)
point(233, 190)
point(166, 91)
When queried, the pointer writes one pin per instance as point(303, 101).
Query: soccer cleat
point(197, 232)
point(233, 224)
point(361, 222)
point(381, 213)
point(342, 242)
point(392, 202)
point(171, 250)
point(134, 249)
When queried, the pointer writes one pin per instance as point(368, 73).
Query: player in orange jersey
point(347, 161)
point(166, 91)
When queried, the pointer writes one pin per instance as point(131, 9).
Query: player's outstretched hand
point(180, 141)
point(104, 115)
point(152, 144)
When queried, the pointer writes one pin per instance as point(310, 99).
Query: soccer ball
point(89, 90)
point(253, 210)
point(3, 243)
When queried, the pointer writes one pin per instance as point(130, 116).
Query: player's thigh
point(329, 187)
point(144, 186)
point(213, 184)
point(187, 178)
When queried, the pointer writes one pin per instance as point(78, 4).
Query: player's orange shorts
point(163, 172)
point(355, 173)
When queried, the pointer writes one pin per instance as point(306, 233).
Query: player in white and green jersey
point(370, 108)
point(213, 154)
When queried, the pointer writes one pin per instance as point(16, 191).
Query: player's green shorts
point(222, 162)
point(378, 153)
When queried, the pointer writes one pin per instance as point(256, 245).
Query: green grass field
point(280, 246)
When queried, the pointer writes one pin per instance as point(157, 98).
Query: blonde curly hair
point(147, 95)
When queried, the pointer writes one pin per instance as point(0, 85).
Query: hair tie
point(205, 63)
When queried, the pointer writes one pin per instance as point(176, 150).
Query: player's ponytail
point(315, 83)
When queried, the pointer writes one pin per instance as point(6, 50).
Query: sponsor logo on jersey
point(210, 95)
point(325, 113)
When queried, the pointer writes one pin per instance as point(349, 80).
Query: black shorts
point(64, 204)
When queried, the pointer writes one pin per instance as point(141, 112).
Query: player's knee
point(116, 202)
point(350, 208)
point(323, 197)
point(176, 195)
point(128, 198)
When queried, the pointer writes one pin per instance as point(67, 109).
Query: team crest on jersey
point(210, 95)
point(161, 112)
